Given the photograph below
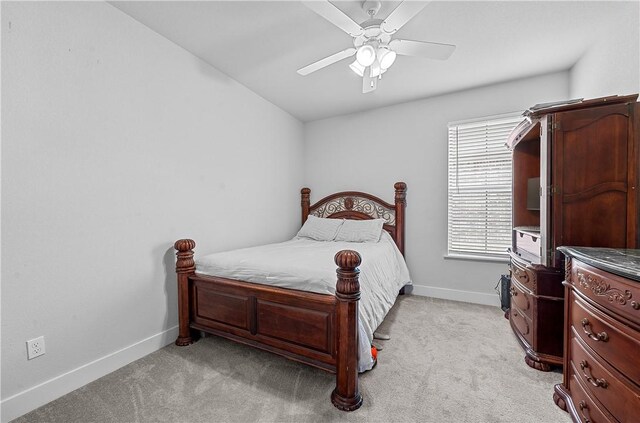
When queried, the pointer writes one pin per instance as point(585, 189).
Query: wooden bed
point(317, 329)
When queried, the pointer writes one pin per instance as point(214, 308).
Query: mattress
point(308, 265)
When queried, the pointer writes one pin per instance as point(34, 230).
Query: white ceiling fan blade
point(422, 49)
point(369, 83)
point(335, 16)
point(327, 61)
point(401, 15)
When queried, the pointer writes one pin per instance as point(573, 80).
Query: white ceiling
point(261, 44)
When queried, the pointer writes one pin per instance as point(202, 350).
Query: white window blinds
point(479, 200)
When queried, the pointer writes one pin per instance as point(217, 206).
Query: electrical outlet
point(35, 348)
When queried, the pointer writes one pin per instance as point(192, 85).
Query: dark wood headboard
point(361, 206)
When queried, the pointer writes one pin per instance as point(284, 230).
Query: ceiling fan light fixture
point(357, 68)
point(386, 57)
point(366, 55)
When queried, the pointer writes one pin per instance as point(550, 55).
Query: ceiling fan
point(373, 46)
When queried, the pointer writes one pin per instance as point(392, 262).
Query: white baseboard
point(36, 396)
point(457, 295)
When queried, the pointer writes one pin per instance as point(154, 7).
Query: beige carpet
point(446, 362)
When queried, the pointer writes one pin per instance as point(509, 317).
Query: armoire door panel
point(590, 177)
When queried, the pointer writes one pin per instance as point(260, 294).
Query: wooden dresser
point(537, 297)
point(601, 377)
point(575, 182)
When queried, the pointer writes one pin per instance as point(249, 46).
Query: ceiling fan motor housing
point(372, 34)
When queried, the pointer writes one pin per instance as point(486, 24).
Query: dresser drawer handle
point(583, 406)
point(514, 293)
point(586, 326)
point(598, 383)
point(521, 274)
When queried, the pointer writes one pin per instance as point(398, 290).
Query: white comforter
point(308, 265)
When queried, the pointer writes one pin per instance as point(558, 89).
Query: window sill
point(472, 257)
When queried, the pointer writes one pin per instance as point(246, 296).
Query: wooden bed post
point(401, 203)
point(346, 396)
point(185, 266)
point(305, 202)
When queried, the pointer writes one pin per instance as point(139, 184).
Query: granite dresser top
point(625, 263)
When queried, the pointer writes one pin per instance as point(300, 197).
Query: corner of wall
point(612, 65)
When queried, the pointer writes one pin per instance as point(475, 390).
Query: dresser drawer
point(588, 411)
point(615, 342)
point(520, 273)
point(526, 241)
point(522, 299)
point(610, 291)
point(604, 383)
point(522, 324)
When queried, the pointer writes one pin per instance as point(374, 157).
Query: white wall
point(115, 143)
point(370, 151)
point(611, 66)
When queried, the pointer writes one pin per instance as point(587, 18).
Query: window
point(479, 222)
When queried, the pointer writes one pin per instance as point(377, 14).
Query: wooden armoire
point(575, 183)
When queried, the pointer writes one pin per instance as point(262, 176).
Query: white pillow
point(360, 230)
point(320, 229)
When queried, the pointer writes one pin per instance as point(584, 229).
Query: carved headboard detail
point(361, 206)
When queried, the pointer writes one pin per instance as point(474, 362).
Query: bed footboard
point(316, 329)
